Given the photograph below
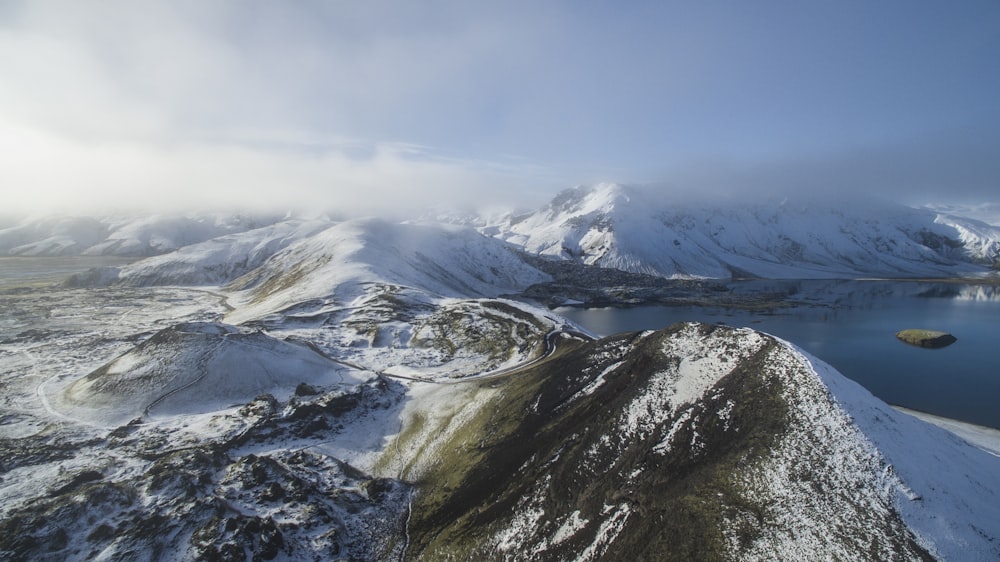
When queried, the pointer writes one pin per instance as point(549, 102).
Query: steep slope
point(696, 442)
point(982, 240)
point(337, 263)
point(197, 367)
point(633, 230)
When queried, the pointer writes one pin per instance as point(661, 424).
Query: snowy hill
point(337, 263)
point(633, 230)
point(195, 368)
point(374, 395)
point(119, 236)
point(215, 261)
point(694, 442)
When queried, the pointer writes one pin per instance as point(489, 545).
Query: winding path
point(550, 349)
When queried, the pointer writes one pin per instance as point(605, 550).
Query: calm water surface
point(852, 326)
point(19, 271)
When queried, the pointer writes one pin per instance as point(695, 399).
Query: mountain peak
point(639, 231)
point(587, 199)
point(699, 442)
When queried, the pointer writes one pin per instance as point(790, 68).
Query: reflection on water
point(852, 326)
point(979, 293)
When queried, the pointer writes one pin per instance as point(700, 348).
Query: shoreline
point(981, 436)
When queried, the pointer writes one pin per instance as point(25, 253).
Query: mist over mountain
point(116, 235)
point(635, 230)
point(627, 228)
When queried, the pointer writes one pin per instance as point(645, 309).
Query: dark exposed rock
point(78, 480)
point(304, 389)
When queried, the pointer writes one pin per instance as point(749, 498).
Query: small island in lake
point(926, 338)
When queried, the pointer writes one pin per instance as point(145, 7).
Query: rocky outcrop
point(926, 338)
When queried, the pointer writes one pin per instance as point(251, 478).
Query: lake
point(18, 271)
point(852, 326)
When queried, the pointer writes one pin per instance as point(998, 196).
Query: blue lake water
point(852, 326)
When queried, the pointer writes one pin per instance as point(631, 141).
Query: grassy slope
point(529, 459)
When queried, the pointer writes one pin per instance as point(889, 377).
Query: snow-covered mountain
point(337, 263)
point(634, 230)
point(983, 212)
point(609, 225)
point(372, 390)
point(980, 239)
point(194, 368)
point(371, 395)
point(215, 261)
point(692, 443)
point(131, 236)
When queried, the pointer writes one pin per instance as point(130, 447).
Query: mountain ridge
point(653, 446)
point(632, 229)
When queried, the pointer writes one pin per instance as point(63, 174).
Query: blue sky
point(361, 104)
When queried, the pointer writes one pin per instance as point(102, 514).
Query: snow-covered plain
point(986, 438)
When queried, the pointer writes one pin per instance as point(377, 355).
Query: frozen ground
point(205, 459)
point(49, 337)
point(128, 398)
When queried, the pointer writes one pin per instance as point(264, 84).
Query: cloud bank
point(393, 104)
point(89, 177)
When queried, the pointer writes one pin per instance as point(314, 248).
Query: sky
point(122, 104)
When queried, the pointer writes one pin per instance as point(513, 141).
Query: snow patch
point(572, 525)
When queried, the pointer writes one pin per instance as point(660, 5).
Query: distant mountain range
point(126, 236)
point(634, 230)
point(607, 225)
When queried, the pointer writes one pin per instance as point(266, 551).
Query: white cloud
point(56, 173)
point(252, 101)
point(173, 104)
